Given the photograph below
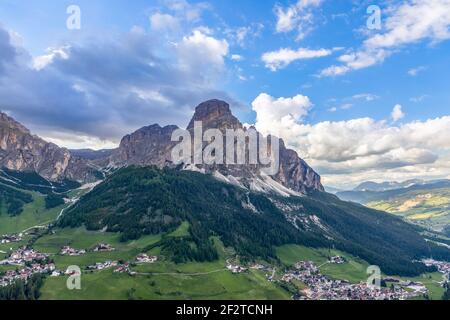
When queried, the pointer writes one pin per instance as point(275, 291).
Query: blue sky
point(310, 71)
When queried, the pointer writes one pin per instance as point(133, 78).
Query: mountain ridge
point(152, 145)
point(22, 151)
point(149, 145)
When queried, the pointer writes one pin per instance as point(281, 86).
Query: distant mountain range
point(370, 191)
point(426, 203)
point(391, 185)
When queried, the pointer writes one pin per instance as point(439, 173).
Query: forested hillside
point(140, 201)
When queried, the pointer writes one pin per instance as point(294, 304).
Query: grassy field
point(431, 282)
point(106, 285)
point(354, 270)
point(167, 280)
point(82, 239)
point(181, 231)
point(161, 280)
point(33, 214)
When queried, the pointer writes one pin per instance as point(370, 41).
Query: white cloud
point(298, 16)
point(237, 57)
point(397, 113)
point(102, 88)
point(190, 12)
point(407, 23)
point(163, 21)
point(40, 62)
point(365, 96)
point(243, 35)
point(418, 98)
point(274, 113)
point(358, 149)
point(334, 71)
point(415, 71)
point(283, 57)
point(200, 51)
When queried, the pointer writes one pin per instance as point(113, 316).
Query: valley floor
point(163, 279)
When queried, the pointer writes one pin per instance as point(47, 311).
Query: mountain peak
point(9, 123)
point(215, 114)
point(22, 151)
point(213, 106)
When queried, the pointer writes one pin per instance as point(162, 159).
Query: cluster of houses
point(234, 268)
point(337, 260)
point(257, 266)
point(320, 287)
point(123, 268)
point(442, 266)
point(68, 251)
point(8, 238)
point(103, 265)
point(144, 258)
point(31, 261)
point(24, 255)
point(103, 247)
point(25, 273)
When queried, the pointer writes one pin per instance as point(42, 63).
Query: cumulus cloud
point(200, 51)
point(281, 58)
point(106, 87)
point(273, 115)
point(408, 22)
point(358, 148)
point(298, 16)
point(163, 21)
point(397, 113)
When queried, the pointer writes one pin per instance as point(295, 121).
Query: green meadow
point(34, 214)
point(161, 280)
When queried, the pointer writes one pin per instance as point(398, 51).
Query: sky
point(360, 89)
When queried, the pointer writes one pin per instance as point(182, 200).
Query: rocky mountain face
point(152, 146)
point(22, 151)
